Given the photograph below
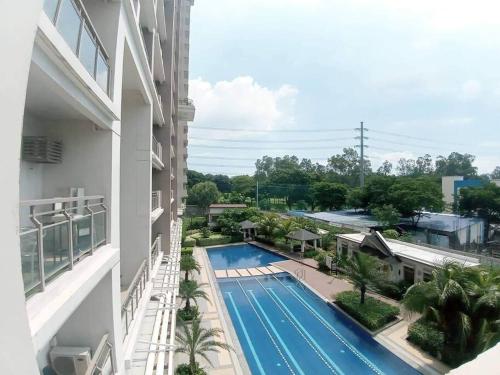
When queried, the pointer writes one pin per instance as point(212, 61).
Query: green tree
point(364, 272)
point(464, 303)
point(189, 291)
point(285, 227)
point(456, 164)
point(268, 225)
point(495, 175)
point(385, 169)
point(197, 341)
point(387, 215)
point(355, 199)
point(345, 167)
point(330, 195)
point(374, 194)
point(483, 201)
point(244, 185)
point(194, 178)
point(188, 264)
point(223, 183)
point(203, 195)
point(390, 233)
point(412, 196)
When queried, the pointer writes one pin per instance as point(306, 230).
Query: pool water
point(284, 328)
point(241, 256)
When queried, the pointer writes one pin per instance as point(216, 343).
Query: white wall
point(18, 21)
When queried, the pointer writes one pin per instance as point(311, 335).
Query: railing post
point(70, 235)
point(41, 266)
point(91, 226)
point(105, 220)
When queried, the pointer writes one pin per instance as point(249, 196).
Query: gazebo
point(247, 228)
point(303, 235)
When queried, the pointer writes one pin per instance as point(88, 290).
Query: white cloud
point(242, 104)
point(470, 90)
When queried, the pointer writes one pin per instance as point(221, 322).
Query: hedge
point(189, 242)
point(426, 336)
point(218, 240)
point(187, 251)
point(373, 314)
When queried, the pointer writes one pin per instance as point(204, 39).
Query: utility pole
point(362, 146)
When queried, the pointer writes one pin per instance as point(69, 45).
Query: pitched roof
point(376, 241)
point(228, 205)
point(247, 224)
point(303, 235)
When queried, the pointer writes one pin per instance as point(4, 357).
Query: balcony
point(156, 205)
point(186, 109)
point(156, 248)
point(157, 154)
point(158, 68)
point(133, 295)
point(73, 23)
point(64, 230)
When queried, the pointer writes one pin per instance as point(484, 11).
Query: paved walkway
point(224, 363)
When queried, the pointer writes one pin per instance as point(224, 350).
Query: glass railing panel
point(88, 50)
point(99, 228)
point(68, 23)
point(81, 235)
point(55, 248)
point(50, 8)
point(102, 72)
point(29, 259)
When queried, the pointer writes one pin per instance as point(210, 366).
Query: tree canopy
point(203, 194)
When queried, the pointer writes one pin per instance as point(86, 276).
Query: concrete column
point(18, 24)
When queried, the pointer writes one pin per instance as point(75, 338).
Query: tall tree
point(346, 166)
point(364, 271)
point(386, 215)
point(412, 196)
point(483, 201)
point(190, 291)
point(244, 185)
point(385, 169)
point(203, 195)
point(188, 264)
point(330, 195)
point(495, 175)
point(355, 199)
point(223, 183)
point(456, 164)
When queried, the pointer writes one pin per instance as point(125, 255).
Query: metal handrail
point(186, 101)
point(155, 199)
point(157, 148)
point(134, 294)
point(62, 213)
point(103, 352)
point(155, 248)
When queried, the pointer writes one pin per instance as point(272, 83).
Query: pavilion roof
point(303, 235)
point(247, 224)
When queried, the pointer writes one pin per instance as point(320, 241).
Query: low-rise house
point(401, 261)
point(217, 209)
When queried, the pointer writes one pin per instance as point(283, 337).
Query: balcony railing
point(134, 295)
point(157, 149)
point(155, 199)
point(186, 101)
point(155, 248)
point(63, 231)
point(73, 23)
point(102, 362)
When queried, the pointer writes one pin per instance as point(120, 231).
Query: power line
point(268, 141)
point(399, 135)
point(270, 130)
point(244, 159)
point(220, 165)
point(264, 148)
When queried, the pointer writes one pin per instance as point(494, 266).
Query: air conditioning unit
point(70, 360)
point(42, 150)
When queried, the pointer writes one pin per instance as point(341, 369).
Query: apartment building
point(95, 103)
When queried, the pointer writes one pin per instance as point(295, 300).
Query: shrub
point(186, 251)
point(426, 336)
point(188, 315)
point(373, 314)
point(310, 253)
point(185, 370)
point(218, 239)
point(189, 242)
point(192, 231)
point(390, 233)
point(264, 240)
point(205, 232)
point(196, 222)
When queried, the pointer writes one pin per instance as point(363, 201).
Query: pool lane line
point(245, 332)
point(275, 331)
point(267, 331)
point(303, 332)
point(318, 316)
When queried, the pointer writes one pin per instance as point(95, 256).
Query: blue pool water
point(241, 256)
point(284, 328)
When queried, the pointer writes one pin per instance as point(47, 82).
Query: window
point(427, 276)
point(88, 49)
point(344, 250)
point(50, 7)
point(68, 23)
point(408, 274)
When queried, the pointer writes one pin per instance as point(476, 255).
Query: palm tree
point(285, 227)
point(195, 340)
point(189, 291)
point(268, 225)
point(189, 264)
point(364, 271)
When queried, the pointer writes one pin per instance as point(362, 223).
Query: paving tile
point(232, 273)
point(265, 270)
point(243, 272)
point(254, 272)
point(220, 273)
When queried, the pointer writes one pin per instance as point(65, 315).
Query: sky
point(298, 76)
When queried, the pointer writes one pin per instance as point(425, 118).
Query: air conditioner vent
point(42, 150)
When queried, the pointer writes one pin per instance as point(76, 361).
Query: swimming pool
point(241, 256)
point(284, 328)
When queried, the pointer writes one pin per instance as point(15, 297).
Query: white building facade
point(95, 99)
